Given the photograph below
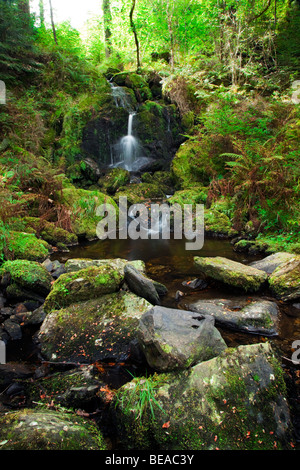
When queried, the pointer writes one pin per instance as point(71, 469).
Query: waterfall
point(127, 152)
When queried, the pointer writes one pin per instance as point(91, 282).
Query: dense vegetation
point(229, 68)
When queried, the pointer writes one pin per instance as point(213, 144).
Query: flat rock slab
point(232, 273)
point(176, 339)
point(259, 317)
point(285, 280)
point(270, 263)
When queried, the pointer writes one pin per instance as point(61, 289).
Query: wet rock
point(48, 430)
point(7, 311)
point(232, 273)
point(235, 401)
point(175, 339)
point(34, 318)
point(13, 329)
point(143, 286)
point(75, 389)
point(195, 284)
point(259, 317)
point(270, 263)
point(95, 330)
point(285, 280)
point(13, 372)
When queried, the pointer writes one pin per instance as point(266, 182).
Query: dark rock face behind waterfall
point(156, 126)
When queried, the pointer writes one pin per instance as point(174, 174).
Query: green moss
point(26, 246)
point(45, 230)
point(83, 205)
point(82, 285)
point(27, 274)
point(114, 180)
point(136, 193)
point(98, 329)
point(41, 429)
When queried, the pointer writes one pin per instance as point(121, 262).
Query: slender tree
point(52, 22)
point(107, 19)
point(42, 12)
point(132, 24)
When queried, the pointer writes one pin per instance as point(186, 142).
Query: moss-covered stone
point(98, 329)
point(113, 180)
point(82, 285)
point(136, 82)
point(22, 245)
point(236, 401)
point(25, 277)
point(77, 264)
point(42, 429)
point(285, 280)
point(232, 273)
point(198, 162)
point(83, 205)
point(45, 230)
point(142, 192)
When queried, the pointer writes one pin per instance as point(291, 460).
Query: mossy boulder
point(79, 388)
point(26, 246)
point(142, 192)
point(77, 264)
point(235, 401)
point(135, 82)
point(199, 161)
point(113, 180)
point(272, 262)
point(285, 280)
point(82, 206)
point(83, 285)
point(197, 195)
point(95, 330)
point(218, 224)
point(24, 279)
point(45, 230)
point(231, 273)
point(42, 429)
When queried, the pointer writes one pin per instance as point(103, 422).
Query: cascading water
point(127, 153)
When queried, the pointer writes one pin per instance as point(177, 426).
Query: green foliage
point(141, 397)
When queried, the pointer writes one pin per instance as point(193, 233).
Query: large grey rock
point(176, 339)
point(100, 329)
point(232, 273)
point(143, 286)
point(235, 401)
point(270, 263)
point(259, 317)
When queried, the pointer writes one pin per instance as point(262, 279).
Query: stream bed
point(168, 262)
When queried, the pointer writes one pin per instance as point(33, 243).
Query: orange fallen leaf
point(166, 425)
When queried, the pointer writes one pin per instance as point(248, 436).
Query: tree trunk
point(170, 28)
point(107, 26)
point(52, 22)
point(42, 12)
point(138, 61)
